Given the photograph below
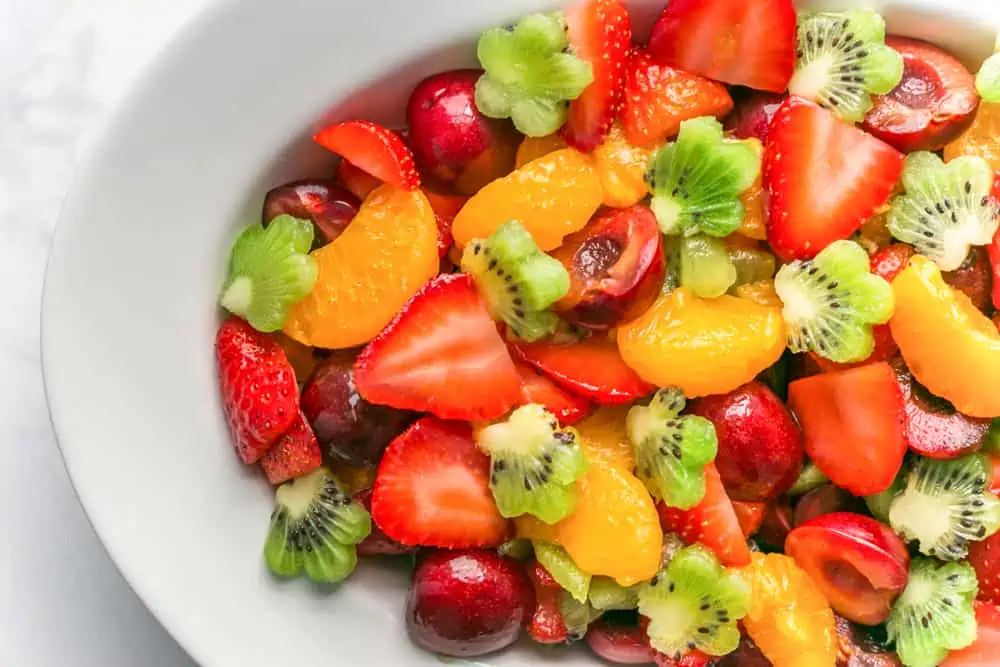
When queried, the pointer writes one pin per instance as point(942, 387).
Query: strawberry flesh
point(547, 625)
point(536, 388)
point(985, 559)
point(375, 149)
point(295, 454)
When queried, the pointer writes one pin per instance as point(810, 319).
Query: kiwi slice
point(832, 301)
point(606, 594)
point(752, 265)
point(988, 77)
point(671, 451)
point(842, 59)
point(576, 615)
point(694, 603)
point(560, 565)
point(535, 464)
point(697, 179)
point(934, 615)
point(810, 478)
point(519, 549)
point(946, 207)
point(880, 503)
point(314, 527)
point(944, 505)
point(269, 270)
point(518, 280)
point(530, 74)
point(705, 266)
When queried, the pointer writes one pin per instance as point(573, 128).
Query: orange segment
point(754, 223)
point(614, 530)
point(300, 356)
point(982, 138)
point(761, 292)
point(552, 196)
point(369, 272)
point(703, 346)
point(603, 437)
point(789, 619)
point(948, 344)
point(622, 169)
point(533, 148)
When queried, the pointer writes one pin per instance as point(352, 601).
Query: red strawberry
point(600, 32)
point(357, 181)
point(295, 454)
point(432, 489)
point(442, 354)
point(985, 651)
point(259, 392)
point(659, 97)
point(985, 558)
point(546, 625)
point(536, 388)
point(713, 522)
point(375, 149)
point(742, 42)
point(750, 515)
point(825, 178)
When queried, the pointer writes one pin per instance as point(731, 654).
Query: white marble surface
point(62, 63)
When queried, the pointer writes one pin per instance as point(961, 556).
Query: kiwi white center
point(924, 515)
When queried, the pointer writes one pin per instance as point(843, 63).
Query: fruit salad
point(683, 349)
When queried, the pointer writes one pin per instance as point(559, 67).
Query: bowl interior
point(129, 315)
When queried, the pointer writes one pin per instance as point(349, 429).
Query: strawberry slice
point(750, 515)
point(442, 354)
point(374, 149)
point(295, 454)
point(985, 651)
point(659, 97)
point(260, 396)
point(712, 522)
point(825, 179)
point(433, 489)
point(547, 625)
point(357, 181)
point(600, 32)
point(591, 368)
point(536, 388)
point(741, 42)
point(985, 559)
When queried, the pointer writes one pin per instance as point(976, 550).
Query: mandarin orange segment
point(754, 223)
point(369, 272)
point(552, 196)
point(622, 169)
point(614, 530)
point(789, 619)
point(761, 292)
point(948, 344)
point(300, 356)
point(533, 148)
point(982, 138)
point(703, 346)
point(604, 439)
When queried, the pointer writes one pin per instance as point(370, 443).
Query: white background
point(62, 62)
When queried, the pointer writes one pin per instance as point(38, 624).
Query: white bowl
point(129, 314)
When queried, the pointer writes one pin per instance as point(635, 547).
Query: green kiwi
point(696, 180)
point(880, 503)
point(988, 77)
point(752, 265)
point(576, 615)
point(560, 565)
point(270, 269)
point(694, 603)
point(314, 527)
point(606, 594)
point(519, 549)
point(518, 280)
point(705, 266)
point(530, 74)
point(991, 443)
point(946, 207)
point(945, 505)
point(934, 615)
point(811, 477)
point(832, 301)
point(842, 59)
point(671, 451)
point(535, 464)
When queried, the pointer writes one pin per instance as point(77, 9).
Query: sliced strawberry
point(547, 625)
point(985, 559)
point(825, 178)
point(591, 368)
point(296, 453)
point(750, 515)
point(742, 42)
point(373, 148)
point(994, 252)
point(536, 388)
point(600, 32)
point(659, 97)
point(358, 181)
point(985, 651)
point(259, 393)
point(432, 489)
point(854, 425)
point(446, 207)
point(712, 522)
point(442, 354)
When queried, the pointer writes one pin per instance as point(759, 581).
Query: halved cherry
point(934, 103)
point(934, 428)
point(857, 648)
point(752, 116)
point(974, 278)
point(616, 267)
point(591, 367)
point(329, 205)
point(826, 499)
point(860, 565)
point(373, 148)
point(778, 522)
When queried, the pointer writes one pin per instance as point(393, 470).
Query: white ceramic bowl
point(129, 314)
